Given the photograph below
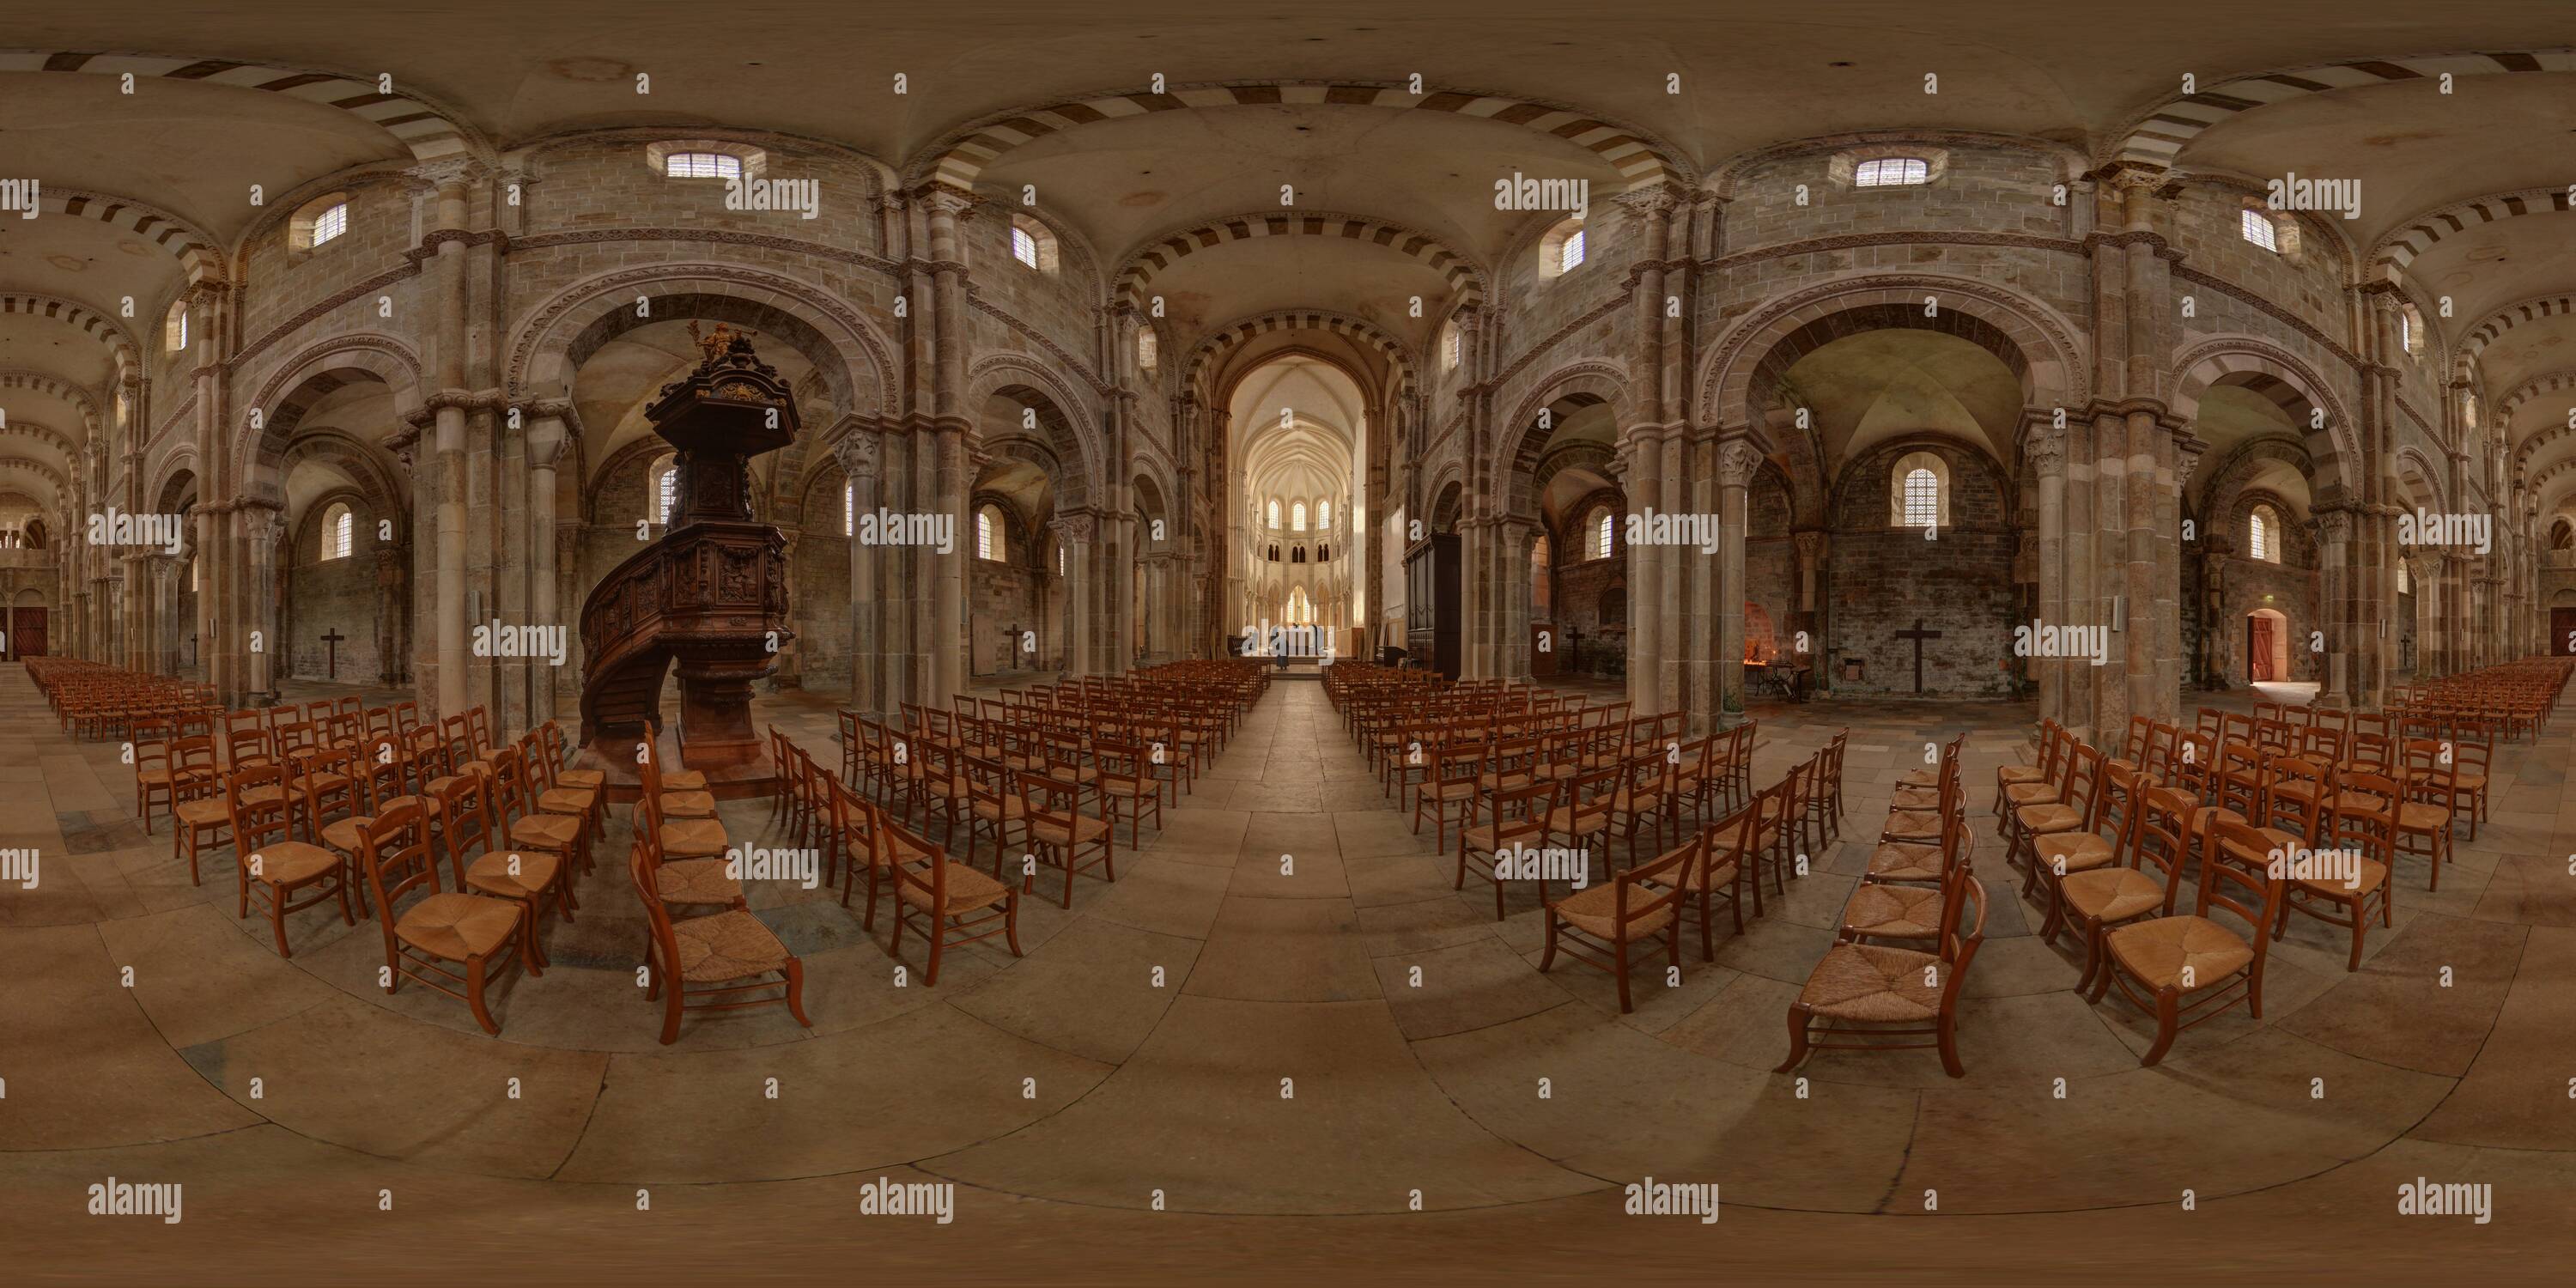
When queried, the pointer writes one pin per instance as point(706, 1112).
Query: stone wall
point(1883, 580)
point(331, 595)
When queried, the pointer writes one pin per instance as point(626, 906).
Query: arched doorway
point(29, 622)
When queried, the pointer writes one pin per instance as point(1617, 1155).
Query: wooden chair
point(273, 865)
point(1890, 905)
point(2068, 811)
point(2152, 853)
point(152, 774)
point(2159, 962)
point(525, 877)
point(1128, 786)
point(2363, 827)
point(477, 934)
point(1059, 834)
point(1632, 907)
point(1449, 792)
point(1721, 871)
point(1825, 793)
point(950, 899)
point(1521, 817)
point(711, 956)
point(199, 814)
point(2294, 796)
point(994, 807)
point(869, 839)
point(698, 874)
point(677, 801)
point(2029, 784)
point(1648, 796)
point(2409, 819)
point(2057, 853)
point(559, 799)
point(1860, 996)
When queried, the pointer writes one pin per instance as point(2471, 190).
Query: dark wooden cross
point(334, 637)
point(1918, 635)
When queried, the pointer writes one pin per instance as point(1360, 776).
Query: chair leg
point(1949, 1039)
point(2168, 1018)
point(796, 991)
point(1621, 945)
point(1797, 1040)
point(483, 1015)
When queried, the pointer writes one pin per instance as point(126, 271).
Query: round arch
point(301, 381)
point(547, 350)
point(2292, 385)
point(2039, 346)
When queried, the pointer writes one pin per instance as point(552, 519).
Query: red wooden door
point(2258, 649)
point(1543, 646)
point(2562, 631)
point(26, 633)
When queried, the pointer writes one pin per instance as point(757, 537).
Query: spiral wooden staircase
point(709, 597)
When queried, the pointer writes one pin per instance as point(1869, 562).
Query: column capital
point(859, 453)
point(2045, 452)
point(948, 199)
point(1737, 462)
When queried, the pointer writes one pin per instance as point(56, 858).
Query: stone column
point(1737, 462)
point(1081, 649)
point(264, 527)
point(944, 477)
point(548, 448)
point(2338, 675)
point(389, 612)
point(858, 455)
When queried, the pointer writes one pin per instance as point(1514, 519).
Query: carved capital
point(2183, 467)
point(949, 200)
point(2046, 453)
point(1658, 200)
point(1811, 546)
point(1073, 529)
point(859, 453)
point(445, 172)
point(1737, 462)
point(2334, 525)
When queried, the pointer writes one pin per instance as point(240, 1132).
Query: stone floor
point(1279, 1043)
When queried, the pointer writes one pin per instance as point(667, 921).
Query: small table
point(1789, 678)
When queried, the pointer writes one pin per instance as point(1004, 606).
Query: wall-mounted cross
point(1918, 635)
point(333, 638)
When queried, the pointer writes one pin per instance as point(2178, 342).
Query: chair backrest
point(406, 716)
point(2160, 839)
point(510, 798)
point(257, 820)
point(1643, 891)
point(394, 846)
point(282, 713)
point(1961, 934)
point(464, 806)
point(2237, 873)
point(246, 747)
point(1522, 812)
point(2135, 749)
point(641, 863)
point(380, 770)
point(478, 725)
point(930, 877)
point(2084, 785)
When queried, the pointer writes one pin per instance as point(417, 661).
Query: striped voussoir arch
point(1640, 161)
point(2519, 313)
point(2562, 381)
point(81, 317)
point(51, 386)
point(1208, 354)
point(50, 437)
point(428, 132)
point(2402, 245)
point(2156, 140)
point(1461, 273)
point(195, 250)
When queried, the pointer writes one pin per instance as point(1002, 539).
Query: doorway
point(2267, 646)
point(2562, 632)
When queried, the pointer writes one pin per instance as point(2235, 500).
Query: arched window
point(1892, 172)
point(701, 165)
point(2469, 409)
point(988, 533)
point(2410, 328)
point(1032, 244)
point(664, 484)
point(1449, 346)
point(1561, 250)
point(1297, 516)
point(849, 509)
point(1147, 348)
point(1919, 491)
point(2259, 229)
point(2402, 587)
point(339, 526)
point(1301, 611)
point(318, 221)
point(1060, 562)
point(194, 567)
point(1274, 512)
point(174, 328)
point(2263, 535)
point(1602, 527)
point(1323, 515)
